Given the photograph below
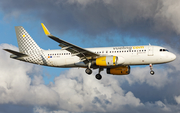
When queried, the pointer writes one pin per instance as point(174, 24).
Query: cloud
point(44, 110)
point(71, 91)
point(177, 98)
point(157, 19)
point(22, 88)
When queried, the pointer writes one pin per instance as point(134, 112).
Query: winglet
point(45, 30)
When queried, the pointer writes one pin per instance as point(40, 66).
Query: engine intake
point(121, 70)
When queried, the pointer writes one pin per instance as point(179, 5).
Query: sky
point(30, 88)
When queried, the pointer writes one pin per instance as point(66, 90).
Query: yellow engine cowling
point(107, 61)
point(122, 70)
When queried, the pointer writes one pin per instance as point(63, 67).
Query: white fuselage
point(131, 55)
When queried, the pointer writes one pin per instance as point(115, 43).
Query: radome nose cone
point(173, 56)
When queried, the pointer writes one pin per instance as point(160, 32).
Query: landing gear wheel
point(88, 71)
point(152, 72)
point(151, 68)
point(98, 76)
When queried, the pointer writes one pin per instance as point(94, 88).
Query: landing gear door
point(150, 51)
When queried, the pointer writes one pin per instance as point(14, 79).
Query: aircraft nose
point(173, 56)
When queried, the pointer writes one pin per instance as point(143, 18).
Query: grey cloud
point(157, 19)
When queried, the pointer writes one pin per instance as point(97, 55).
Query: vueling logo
point(138, 47)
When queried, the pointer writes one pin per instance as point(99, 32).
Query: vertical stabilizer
point(25, 42)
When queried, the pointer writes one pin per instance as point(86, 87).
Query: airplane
point(116, 60)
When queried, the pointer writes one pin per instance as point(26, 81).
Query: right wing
point(75, 50)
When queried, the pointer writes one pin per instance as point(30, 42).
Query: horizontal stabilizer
point(16, 53)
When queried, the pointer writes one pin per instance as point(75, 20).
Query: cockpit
point(162, 50)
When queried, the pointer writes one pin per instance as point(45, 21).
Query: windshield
point(164, 50)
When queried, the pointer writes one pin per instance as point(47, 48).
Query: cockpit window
point(163, 50)
point(166, 50)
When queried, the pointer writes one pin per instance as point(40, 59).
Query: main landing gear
point(88, 71)
point(98, 76)
point(151, 68)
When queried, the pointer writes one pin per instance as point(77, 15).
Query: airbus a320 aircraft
point(116, 60)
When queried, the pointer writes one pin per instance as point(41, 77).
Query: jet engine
point(109, 61)
point(121, 70)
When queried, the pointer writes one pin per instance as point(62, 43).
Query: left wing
point(75, 50)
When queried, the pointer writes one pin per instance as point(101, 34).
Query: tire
point(152, 72)
point(98, 76)
point(88, 71)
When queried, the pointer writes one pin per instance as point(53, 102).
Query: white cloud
point(71, 91)
point(44, 110)
point(74, 91)
point(142, 75)
point(177, 99)
point(162, 106)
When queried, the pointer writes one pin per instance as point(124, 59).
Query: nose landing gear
point(151, 68)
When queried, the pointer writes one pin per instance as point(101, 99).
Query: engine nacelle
point(121, 70)
point(107, 61)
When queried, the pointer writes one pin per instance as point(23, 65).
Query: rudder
point(25, 42)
